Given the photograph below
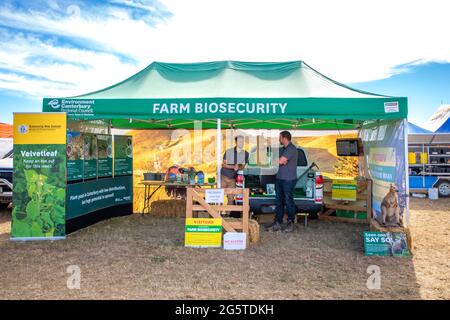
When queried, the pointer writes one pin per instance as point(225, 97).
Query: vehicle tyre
point(443, 188)
point(313, 215)
point(4, 206)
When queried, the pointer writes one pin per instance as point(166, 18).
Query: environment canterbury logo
point(54, 104)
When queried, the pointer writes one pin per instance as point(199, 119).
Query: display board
point(385, 244)
point(93, 195)
point(90, 156)
point(348, 147)
point(39, 190)
point(105, 156)
point(75, 156)
point(123, 155)
point(384, 149)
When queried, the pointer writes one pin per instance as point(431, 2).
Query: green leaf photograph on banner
point(39, 191)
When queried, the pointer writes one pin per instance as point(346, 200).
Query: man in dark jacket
point(286, 180)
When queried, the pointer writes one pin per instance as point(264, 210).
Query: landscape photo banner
point(384, 152)
point(39, 190)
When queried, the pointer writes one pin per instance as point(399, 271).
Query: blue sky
point(64, 48)
point(426, 86)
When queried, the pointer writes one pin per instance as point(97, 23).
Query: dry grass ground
point(139, 257)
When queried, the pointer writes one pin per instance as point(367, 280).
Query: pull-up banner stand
point(39, 190)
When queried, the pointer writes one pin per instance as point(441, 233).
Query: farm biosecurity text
point(222, 107)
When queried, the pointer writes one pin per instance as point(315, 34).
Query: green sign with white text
point(385, 244)
point(89, 196)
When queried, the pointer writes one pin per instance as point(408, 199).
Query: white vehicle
point(308, 193)
point(6, 171)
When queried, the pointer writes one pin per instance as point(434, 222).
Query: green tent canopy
point(246, 95)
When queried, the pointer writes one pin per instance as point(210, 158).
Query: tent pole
point(219, 151)
point(405, 128)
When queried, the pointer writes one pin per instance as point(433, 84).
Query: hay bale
point(170, 208)
point(253, 229)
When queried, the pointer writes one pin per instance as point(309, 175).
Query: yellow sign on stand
point(40, 128)
point(203, 233)
point(344, 189)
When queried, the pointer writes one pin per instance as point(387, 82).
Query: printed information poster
point(203, 233)
point(105, 161)
point(384, 147)
point(385, 244)
point(123, 155)
point(39, 190)
point(90, 156)
point(75, 156)
point(344, 189)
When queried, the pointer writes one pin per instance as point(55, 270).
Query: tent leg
point(405, 127)
point(219, 151)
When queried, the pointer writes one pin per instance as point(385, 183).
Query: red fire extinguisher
point(239, 184)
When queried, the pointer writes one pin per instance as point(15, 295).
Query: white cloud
point(351, 41)
point(79, 72)
point(348, 40)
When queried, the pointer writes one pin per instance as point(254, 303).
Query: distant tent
point(439, 121)
point(413, 129)
point(445, 128)
point(6, 130)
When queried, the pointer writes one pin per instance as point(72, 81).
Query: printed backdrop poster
point(39, 191)
point(384, 151)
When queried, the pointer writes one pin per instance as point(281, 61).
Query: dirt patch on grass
point(430, 226)
point(139, 257)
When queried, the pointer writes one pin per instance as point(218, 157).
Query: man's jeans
point(285, 199)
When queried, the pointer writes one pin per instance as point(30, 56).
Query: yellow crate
point(423, 157)
point(412, 157)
